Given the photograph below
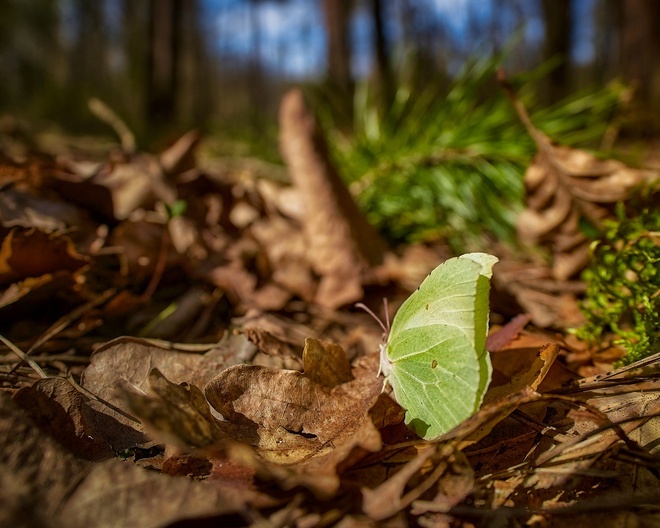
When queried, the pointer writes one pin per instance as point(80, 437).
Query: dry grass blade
point(23, 356)
point(64, 322)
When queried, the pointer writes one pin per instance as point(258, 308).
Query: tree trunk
point(558, 29)
point(162, 62)
point(383, 74)
point(338, 52)
point(640, 52)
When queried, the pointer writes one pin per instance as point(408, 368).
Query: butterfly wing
point(439, 367)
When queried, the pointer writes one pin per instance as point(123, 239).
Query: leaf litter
point(247, 393)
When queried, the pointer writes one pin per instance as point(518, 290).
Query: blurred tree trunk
point(339, 53)
point(640, 53)
point(557, 45)
point(89, 74)
point(32, 58)
point(197, 68)
point(163, 62)
point(383, 73)
point(134, 50)
point(607, 26)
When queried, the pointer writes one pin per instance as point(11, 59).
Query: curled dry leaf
point(32, 253)
point(521, 367)
point(178, 413)
point(342, 244)
point(273, 346)
point(293, 421)
point(566, 186)
point(325, 363)
point(133, 358)
point(129, 361)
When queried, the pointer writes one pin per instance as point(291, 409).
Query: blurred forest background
point(221, 65)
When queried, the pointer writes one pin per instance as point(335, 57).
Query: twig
point(97, 398)
point(65, 321)
point(49, 358)
point(23, 356)
point(110, 117)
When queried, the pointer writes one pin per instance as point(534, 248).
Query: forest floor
point(181, 347)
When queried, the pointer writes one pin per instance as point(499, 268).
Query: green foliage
point(447, 161)
point(176, 208)
point(623, 284)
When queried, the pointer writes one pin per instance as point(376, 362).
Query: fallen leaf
point(35, 470)
point(520, 368)
point(31, 253)
point(133, 358)
point(342, 244)
point(566, 186)
point(128, 361)
point(325, 363)
point(66, 415)
point(116, 493)
point(176, 413)
point(294, 422)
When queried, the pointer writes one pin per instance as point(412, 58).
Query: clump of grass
point(446, 161)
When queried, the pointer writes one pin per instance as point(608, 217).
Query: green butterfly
point(435, 358)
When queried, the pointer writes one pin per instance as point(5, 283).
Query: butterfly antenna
point(387, 315)
point(372, 314)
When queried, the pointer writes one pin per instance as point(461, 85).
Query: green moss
point(623, 284)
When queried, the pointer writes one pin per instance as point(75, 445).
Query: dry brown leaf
point(32, 253)
point(66, 415)
point(520, 368)
point(115, 493)
point(342, 245)
point(286, 248)
point(177, 413)
point(325, 363)
point(117, 188)
point(303, 427)
point(273, 346)
point(565, 186)
point(128, 361)
point(133, 358)
point(22, 209)
point(283, 399)
point(35, 470)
